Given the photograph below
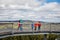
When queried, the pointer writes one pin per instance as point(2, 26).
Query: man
point(39, 25)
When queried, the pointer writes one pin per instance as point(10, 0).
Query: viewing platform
point(10, 28)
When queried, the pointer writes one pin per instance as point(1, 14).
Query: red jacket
point(37, 24)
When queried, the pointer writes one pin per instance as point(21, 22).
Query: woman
point(19, 26)
point(37, 24)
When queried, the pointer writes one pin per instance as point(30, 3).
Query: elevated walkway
point(19, 33)
point(11, 29)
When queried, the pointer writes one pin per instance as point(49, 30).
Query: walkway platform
point(7, 34)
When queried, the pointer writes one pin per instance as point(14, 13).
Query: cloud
point(17, 4)
point(47, 7)
point(30, 10)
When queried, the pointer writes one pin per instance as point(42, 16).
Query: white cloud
point(47, 6)
point(18, 4)
point(36, 11)
point(52, 15)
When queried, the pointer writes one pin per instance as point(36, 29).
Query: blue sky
point(38, 10)
point(58, 1)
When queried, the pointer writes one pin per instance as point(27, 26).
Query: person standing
point(35, 25)
point(39, 25)
point(19, 26)
point(32, 25)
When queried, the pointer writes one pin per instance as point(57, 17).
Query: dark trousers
point(38, 28)
point(35, 28)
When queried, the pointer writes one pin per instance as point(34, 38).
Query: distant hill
point(26, 21)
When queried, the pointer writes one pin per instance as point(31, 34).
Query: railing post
point(12, 29)
point(45, 36)
point(50, 30)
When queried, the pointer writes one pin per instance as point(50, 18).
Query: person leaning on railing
point(37, 24)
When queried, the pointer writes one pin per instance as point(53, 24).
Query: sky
point(38, 10)
point(58, 1)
